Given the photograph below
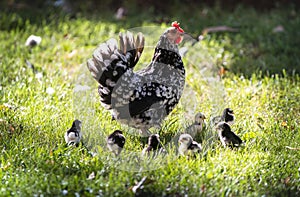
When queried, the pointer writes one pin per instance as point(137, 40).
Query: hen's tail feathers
point(109, 62)
point(108, 56)
point(131, 47)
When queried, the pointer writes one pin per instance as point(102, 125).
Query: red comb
point(176, 25)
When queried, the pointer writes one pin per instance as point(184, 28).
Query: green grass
point(262, 85)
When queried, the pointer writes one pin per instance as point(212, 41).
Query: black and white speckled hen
point(144, 98)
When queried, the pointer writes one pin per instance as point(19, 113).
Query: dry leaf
point(284, 124)
point(222, 71)
point(287, 180)
point(11, 129)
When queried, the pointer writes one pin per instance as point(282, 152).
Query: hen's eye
point(173, 31)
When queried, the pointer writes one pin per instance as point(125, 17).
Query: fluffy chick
point(188, 146)
point(73, 135)
point(115, 142)
point(228, 137)
point(154, 145)
point(198, 126)
point(227, 116)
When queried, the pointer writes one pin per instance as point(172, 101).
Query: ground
point(255, 71)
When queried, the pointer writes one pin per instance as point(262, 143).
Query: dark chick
point(154, 145)
point(115, 142)
point(141, 99)
point(228, 137)
point(33, 40)
point(227, 116)
point(73, 135)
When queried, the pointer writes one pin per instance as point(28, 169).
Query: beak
point(189, 37)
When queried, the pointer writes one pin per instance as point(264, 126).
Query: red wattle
point(178, 40)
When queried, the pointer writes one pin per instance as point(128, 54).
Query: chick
point(228, 137)
point(197, 127)
point(154, 145)
point(73, 135)
point(115, 142)
point(33, 40)
point(227, 116)
point(188, 146)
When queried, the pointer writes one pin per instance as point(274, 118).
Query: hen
point(144, 98)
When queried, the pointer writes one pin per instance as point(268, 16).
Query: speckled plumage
point(144, 98)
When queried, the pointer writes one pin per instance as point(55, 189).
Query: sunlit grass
point(34, 159)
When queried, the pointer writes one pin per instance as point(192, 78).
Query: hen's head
point(174, 33)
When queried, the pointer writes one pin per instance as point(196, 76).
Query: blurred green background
point(267, 40)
